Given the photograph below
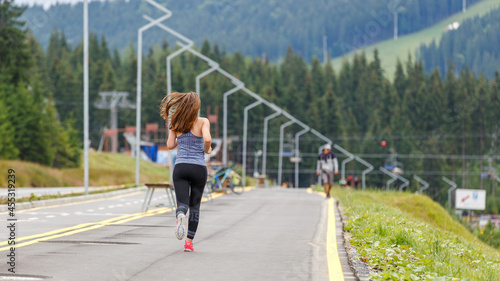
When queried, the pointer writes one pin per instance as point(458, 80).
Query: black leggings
point(186, 175)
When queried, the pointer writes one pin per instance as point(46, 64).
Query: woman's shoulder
point(202, 120)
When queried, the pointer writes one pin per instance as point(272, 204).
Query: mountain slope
point(390, 50)
point(475, 44)
point(251, 27)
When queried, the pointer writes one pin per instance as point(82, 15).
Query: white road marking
point(51, 216)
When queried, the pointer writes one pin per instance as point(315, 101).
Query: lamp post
point(369, 169)
point(297, 135)
point(424, 183)
point(245, 128)
point(395, 25)
point(392, 175)
point(86, 96)
point(344, 162)
point(264, 140)
point(453, 187)
point(224, 122)
point(167, 15)
point(213, 67)
point(280, 164)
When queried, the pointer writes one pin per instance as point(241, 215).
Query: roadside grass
point(405, 236)
point(390, 50)
point(104, 169)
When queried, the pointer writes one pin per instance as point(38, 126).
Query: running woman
point(191, 135)
point(327, 163)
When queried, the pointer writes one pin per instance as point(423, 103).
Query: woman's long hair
point(180, 110)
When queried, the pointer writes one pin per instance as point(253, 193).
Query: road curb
point(360, 269)
point(67, 200)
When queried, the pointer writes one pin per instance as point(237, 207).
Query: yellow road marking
point(81, 228)
point(334, 267)
point(83, 225)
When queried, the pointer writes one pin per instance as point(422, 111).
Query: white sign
point(471, 199)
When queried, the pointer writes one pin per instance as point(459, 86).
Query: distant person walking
point(327, 165)
point(191, 135)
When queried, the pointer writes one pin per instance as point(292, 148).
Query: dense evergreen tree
point(357, 107)
point(30, 126)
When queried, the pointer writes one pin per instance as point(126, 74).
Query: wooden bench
point(151, 189)
point(261, 181)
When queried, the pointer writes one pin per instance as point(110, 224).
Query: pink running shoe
point(188, 247)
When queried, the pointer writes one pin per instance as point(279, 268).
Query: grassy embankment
point(390, 50)
point(105, 169)
point(410, 237)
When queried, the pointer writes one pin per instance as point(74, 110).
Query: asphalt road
point(264, 234)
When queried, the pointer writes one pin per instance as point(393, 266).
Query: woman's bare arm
point(207, 138)
point(172, 140)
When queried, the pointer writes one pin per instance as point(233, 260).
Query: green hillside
point(104, 169)
point(410, 237)
point(390, 50)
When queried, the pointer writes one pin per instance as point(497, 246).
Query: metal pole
point(114, 127)
point(453, 187)
point(245, 128)
point(167, 15)
point(370, 168)
point(345, 161)
point(392, 175)
point(224, 129)
point(86, 96)
point(327, 140)
point(424, 183)
point(396, 25)
point(198, 78)
point(405, 183)
point(350, 158)
point(325, 49)
point(264, 140)
point(464, 6)
point(280, 165)
point(297, 135)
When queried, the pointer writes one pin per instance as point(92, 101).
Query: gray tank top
point(190, 149)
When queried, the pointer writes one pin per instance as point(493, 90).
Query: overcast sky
point(47, 3)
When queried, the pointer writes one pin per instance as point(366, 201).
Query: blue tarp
point(151, 151)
